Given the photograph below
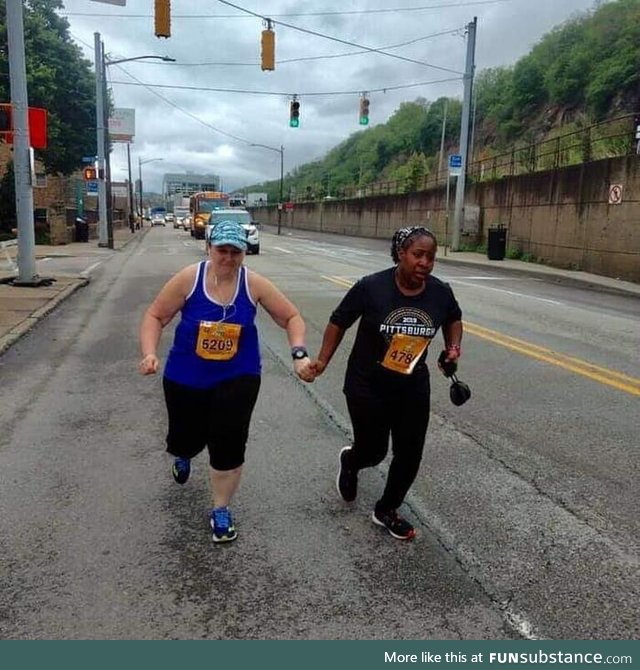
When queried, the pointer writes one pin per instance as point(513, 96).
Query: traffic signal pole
point(464, 134)
point(100, 141)
point(21, 162)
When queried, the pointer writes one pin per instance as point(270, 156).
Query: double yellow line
point(617, 380)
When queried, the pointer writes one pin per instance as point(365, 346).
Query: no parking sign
point(615, 194)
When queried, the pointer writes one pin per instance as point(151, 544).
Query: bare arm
point(279, 308)
point(452, 340)
point(286, 315)
point(161, 311)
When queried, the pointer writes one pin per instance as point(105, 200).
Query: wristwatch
point(298, 353)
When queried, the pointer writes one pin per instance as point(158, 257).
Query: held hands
point(149, 365)
point(308, 369)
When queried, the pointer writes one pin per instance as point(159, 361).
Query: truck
point(256, 200)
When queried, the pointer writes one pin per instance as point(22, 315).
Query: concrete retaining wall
point(563, 217)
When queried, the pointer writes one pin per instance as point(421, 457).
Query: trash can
point(82, 230)
point(496, 243)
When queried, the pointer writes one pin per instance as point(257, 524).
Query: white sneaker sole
point(398, 537)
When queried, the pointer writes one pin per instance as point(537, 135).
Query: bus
point(201, 205)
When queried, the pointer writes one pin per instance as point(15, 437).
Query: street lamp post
point(105, 221)
point(140, 164)
point(281, 152)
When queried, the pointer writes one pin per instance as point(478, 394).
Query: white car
point(242, 217)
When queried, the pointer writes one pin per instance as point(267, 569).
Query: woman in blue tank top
point(212, 375)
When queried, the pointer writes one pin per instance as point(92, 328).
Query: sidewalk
point(571, 277)
point(21, 307)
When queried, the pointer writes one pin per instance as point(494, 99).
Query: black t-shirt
point(384, 312)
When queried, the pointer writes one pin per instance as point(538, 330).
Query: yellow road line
point(613, 378)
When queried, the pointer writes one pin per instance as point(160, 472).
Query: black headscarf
point(404, 236)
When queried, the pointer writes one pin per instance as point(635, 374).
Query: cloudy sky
point(217, 46)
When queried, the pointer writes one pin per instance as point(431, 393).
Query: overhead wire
point(467, 3)
point(452, 31)
point(337, 39)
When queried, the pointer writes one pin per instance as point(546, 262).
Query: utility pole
point(132, 217)
point(100, 141)
point(444, 130)
point(21, 160)
point(281, 205)
point(464, 133)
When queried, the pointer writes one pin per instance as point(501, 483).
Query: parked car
point(242, 217)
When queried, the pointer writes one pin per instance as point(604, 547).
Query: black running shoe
point(398, 527)
point(347, 479)
point(181, 469)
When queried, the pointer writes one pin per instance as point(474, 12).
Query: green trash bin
point(496, 243)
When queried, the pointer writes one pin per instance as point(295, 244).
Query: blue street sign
point(92, 187)
point(89, 159)
point(455, 165)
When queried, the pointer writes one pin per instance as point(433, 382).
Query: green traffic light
point(294, 123)
point(364, 120)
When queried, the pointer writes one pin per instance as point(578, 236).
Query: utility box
point(496, 243)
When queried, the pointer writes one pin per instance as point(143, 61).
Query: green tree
point(59, 80)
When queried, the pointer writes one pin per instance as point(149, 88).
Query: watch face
point(299, 353)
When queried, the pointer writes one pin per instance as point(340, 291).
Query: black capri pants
point(216, 418)
point(405, 418)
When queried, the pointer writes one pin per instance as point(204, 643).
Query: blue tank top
point(185, 365)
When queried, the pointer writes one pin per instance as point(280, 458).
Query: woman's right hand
point(149, 365)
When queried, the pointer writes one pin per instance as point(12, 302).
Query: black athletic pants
point(406, 419)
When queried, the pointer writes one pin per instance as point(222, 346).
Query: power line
point(337, 39)
point(468, 3)
point(182, 87)
point(452, 31)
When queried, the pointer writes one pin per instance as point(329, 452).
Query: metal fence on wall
point(608, 139)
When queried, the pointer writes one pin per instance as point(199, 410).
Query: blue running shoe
point(181, 469)
point(222, 525)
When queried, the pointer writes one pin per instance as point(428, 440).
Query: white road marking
point(284, 251)
point(90, 268)
point(502, 290)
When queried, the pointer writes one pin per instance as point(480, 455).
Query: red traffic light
point(90, 174)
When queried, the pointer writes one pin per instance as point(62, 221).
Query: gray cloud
point(506, 31)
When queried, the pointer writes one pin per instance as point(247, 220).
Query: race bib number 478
point(218, 341)
point(404, 353)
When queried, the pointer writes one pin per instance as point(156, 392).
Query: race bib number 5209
point(218, 341)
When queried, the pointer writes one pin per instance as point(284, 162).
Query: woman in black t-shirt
point(387, 380)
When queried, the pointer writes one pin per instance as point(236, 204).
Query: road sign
point(455, 165)
point(89, 159)
point(615, 194)
point(92, 187)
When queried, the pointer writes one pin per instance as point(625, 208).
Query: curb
point(29, 322)
point(557, 276)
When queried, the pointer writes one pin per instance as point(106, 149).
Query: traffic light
point(163, 18)
point(90, 174)
point(6, 121)
point(294, 114)
point(268, 50)
point(364, 111)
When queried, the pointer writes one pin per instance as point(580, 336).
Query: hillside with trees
point(583, 72)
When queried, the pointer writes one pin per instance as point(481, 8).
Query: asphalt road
point(526, 503)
